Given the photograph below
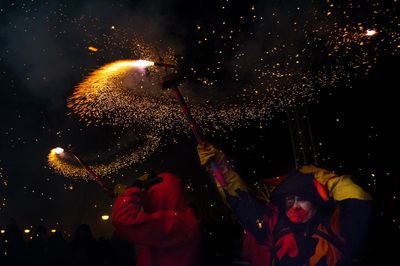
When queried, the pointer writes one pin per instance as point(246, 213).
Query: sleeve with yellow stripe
point(340, 187)
point(251, 213)
point(355, 208)
point(233, 182)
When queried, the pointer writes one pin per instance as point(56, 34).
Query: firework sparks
point(92, 49)
point(273, 68)
point(3, 185)
point(118, 92)
point(65, 164)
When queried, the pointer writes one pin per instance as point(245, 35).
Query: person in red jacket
point(154, 216)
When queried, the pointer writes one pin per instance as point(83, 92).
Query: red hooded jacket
point(159, 223)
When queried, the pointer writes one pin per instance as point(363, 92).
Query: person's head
point(298, 209)
point(165, 195)
point(41, 232)
point(298, 197)
point(83, 233)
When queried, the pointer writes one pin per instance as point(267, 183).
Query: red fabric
point(287, 246)
point(159, 223)
point(257, 255)
point(274, 181)
point(261, 254)
point(321, 190)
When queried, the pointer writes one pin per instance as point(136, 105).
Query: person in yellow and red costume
point(315, 217)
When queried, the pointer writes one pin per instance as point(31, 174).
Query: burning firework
point(270, 60)
point(128, 93)
point(67, 164)
point(92, 49)
point(270, 77)
point(122, 93)
point(371, 32)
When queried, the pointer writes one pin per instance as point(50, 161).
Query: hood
point(300, 184)
point(166, 195)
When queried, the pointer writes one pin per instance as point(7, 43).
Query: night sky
point(246, 63)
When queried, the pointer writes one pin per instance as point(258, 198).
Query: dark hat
point(300, 184)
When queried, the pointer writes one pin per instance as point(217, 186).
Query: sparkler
point(61, 152)
point(63, 162)
point(124, 93)
point(120, 93)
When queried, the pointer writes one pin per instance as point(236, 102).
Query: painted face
point(298, 209)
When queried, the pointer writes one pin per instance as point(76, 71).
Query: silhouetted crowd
point(48, 249)
point(45, 248)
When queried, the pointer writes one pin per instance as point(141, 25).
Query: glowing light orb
point(371, 32)
point(92, 49)
point(142, 63)
point(58, 150)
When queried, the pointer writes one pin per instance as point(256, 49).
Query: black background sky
point(44, 55)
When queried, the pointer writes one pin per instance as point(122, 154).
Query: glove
point(146, 181)
point(233, 182)
point(207, 151)
point(340, 187)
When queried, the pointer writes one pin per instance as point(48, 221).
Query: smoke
point(45, 43)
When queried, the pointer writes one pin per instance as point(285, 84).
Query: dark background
point(44, 55)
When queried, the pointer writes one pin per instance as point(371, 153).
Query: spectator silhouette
point(84, 248)
point(38, 247)
point(58, 250)
point(15, 246)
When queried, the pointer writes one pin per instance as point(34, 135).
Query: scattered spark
point(3, 186)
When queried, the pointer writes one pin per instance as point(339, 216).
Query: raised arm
point(252, 214)
point(156, 229)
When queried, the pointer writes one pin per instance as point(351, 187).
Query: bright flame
point(93, 49)
point(27, 231)
point(2, 231)
point(142, 63)
point(122, 65)
point(105, 217)
point(370, 32)
point(53, 230)
point(57, 150)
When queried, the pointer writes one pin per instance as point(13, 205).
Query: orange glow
point(142, 63)
point(93, 49)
